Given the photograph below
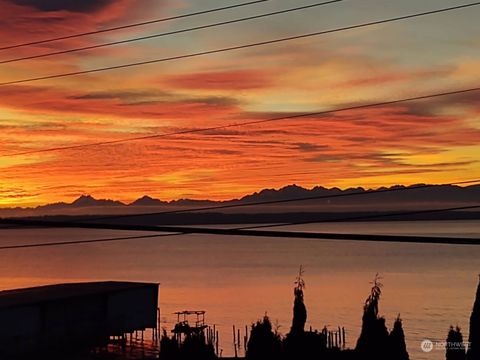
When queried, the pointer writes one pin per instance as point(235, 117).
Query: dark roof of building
point(39, 294)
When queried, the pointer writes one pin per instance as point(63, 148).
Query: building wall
point(76, 323)
point(132, 310)
point(19, 329)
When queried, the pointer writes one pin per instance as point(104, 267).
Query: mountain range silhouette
point(407, 197)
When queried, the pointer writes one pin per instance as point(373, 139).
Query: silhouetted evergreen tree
point(397, 345)
point(193, 347)
point(374, 338)
point(264, 342)
point(169, 348)
point(304, 346)
point(474, 337)
point(455, 350)
point(301, 344)
point(299, 309)
point(196, 347)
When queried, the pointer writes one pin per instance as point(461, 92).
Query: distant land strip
point(250, 233)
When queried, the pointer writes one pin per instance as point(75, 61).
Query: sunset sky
point(431, 141)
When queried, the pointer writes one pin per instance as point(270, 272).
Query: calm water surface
point(237, 279)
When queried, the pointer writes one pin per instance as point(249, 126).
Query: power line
point(148, 37)
point(128, 26)
point(77, 242)
point(182, 230)
point(362, 217)
point(238, 47)
point(255, 122)
point(282, 201)
point(365, 217)
point(277, 234)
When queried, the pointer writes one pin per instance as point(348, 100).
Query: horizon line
point(466, 184)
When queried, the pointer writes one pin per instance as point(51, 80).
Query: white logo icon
point(426, 345)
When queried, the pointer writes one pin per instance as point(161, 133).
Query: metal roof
point(49, 293)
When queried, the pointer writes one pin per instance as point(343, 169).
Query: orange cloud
point(416, 142)
point(222, 165)
point(389, 77)
point(147, 104)
point(222, 80)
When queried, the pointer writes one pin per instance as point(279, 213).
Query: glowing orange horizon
point(424, 142)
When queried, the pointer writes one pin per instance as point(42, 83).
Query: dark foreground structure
point(376, 341)
point(70, 318)
point(264, 342)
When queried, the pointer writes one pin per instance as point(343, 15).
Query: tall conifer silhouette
point(397, 345)
point(474, 337)
point(373, 342)
point(299, 308)
point(455, 349)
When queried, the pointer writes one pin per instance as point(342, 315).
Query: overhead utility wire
point(237, 47)
point(282, 201)
point(86, 241)
point(169, 33)
point(182, 230)
point(129, 26)
point(254, 122)
point(342, 219)
point(363, 217)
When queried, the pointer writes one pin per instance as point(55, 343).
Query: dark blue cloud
point(83, 6)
